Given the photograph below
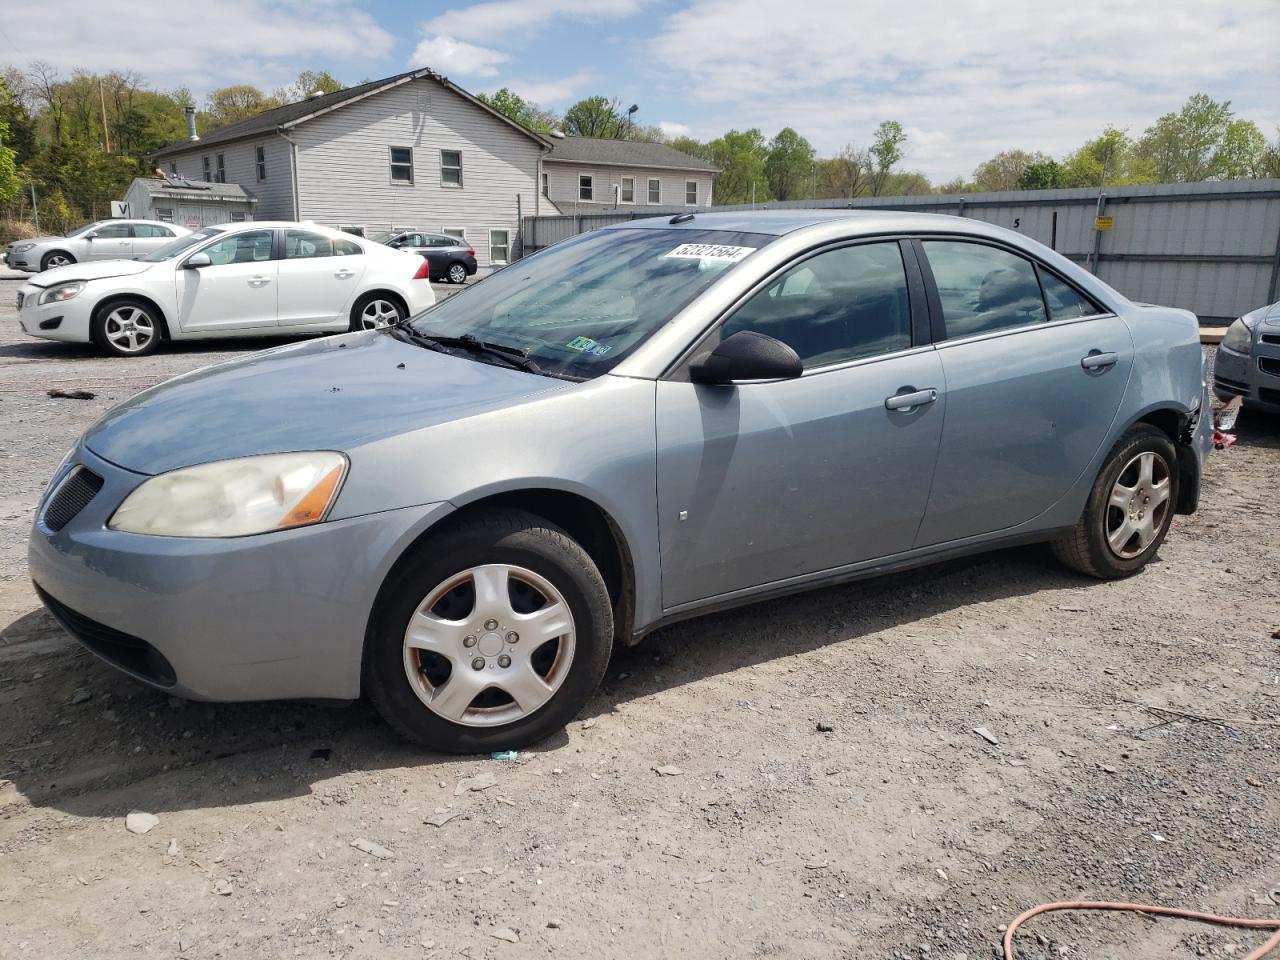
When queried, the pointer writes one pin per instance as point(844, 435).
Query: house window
point(260, 162)
point(164, 214)
point(691, 193)
point(222, 170)
point(451, 168)
point(546, 185)
point(238, 216)
point(173, 169)
point(499, 246)
point(655, 190)
point(401, 164)
point(586, 187)
point(206, 169)
point(456, 232)
point(628, 189)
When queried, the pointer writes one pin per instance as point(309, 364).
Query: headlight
point(235, 498)
point(63, 291)
point(1239, 338)
point(23, 247)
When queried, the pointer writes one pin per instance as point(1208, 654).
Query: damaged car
point(462, 514)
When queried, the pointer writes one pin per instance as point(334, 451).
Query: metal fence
point(1211, 248)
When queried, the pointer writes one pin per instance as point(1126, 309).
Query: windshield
point(580, 307)
point(86, 228)
point(379, 236)
point(175, 247)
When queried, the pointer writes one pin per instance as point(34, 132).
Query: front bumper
point(67, 320)
point(1250, 375)
point(274, 616)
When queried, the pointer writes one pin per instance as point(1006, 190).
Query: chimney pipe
point(191, 124)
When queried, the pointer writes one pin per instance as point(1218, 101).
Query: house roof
point(291, 114)
point(177, 187)
point(625, 153)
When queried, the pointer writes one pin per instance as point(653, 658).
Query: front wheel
point(126, 328)
point(492, 635)
point(56, 258)
point(376, 310)
point(1129, 510)
point(457, 273)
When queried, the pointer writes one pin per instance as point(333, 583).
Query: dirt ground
point(898, 833)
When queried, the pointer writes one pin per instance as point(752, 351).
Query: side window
point(252, 246)
point(346, 248)
point(840, 305)
point(302, 244)
point(1064, 302)
point(444, 242)
point(150, 231)
point(112, 231)
point(983, 288)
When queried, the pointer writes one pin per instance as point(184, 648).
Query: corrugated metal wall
point(1212, 248)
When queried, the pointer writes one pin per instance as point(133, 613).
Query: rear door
point(319, 276)
point(237, 290)
point(1035, 372)
point(111, 241)
point(148, 237)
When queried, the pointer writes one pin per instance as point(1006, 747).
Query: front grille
point(119, 649)
point(1269, 365)
point(1267, 395)
point(73, 494)
point(1271, 338)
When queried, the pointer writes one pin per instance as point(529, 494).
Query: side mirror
point(747, 356)
point(91, 235)
point(196, 261)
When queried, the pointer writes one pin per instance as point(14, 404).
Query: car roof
point(779, 222)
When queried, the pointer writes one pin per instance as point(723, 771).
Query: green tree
point(228, 105)
point(595, 117)
point(1108, 158)
point(1180, 146)
point(1241, 153)
point(1042, 174)
point(788, 166)
point(9, 182)
point(692, 146)
point(846, 175)
point(515, 107)
point(1005, 170)
point(308, 82)
point(740, 155)
point(886, 151)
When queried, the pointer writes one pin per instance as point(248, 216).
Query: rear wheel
point(1129, 509)
point(457, 273)
point(56, 258)
point(492, 635)
point(376, 310)
point(126, 328)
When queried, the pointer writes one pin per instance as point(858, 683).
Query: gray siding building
point(189, 203)
point(413, 150)
point(589, 175)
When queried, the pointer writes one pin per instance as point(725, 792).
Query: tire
point(553, 592)
point(126, 328)
point(375, 310)
point(1137, 518)
point(56, 258)
point(457, 273)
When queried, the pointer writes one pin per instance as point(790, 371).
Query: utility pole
point(35, 210)
point(102, 100)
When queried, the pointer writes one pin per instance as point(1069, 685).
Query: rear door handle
point(344, 274)
point(1096, 360)
point(259, 281)
point(909, 401)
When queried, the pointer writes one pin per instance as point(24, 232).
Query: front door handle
point(909, 401)
point(259, 281)
point(344, 274)
point(1096, 360)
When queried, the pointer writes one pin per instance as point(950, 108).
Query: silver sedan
point(101, 240)
point(1247, 363)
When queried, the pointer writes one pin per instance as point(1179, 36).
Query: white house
point(590, 175)
point(413, 150)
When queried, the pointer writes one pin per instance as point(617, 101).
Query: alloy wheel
point(377, 314)
point(59, 260)
point(1138, 505)
point(130, 329)
point(457, 273)
point(489, 646)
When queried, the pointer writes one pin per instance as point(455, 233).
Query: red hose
point(1222, 921)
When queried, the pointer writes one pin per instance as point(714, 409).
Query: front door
point(318, 278)
point(111, 241)
point(1035, 373)
point(237, 290)
point(764, 482)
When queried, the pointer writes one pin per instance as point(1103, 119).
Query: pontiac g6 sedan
point(460, 515)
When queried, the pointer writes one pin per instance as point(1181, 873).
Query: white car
point(101, 240)
point(231, 280)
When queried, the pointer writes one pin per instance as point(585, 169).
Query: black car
point(448, 258)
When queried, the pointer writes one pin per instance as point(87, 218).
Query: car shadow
point(1257, 429)
point(131, 747)
point(56, 350)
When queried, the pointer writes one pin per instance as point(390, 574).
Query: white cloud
point(505, 18)
point(965, 82)
point(670, 128)
point(551, 93)
point(243, 41)
point(451, 56)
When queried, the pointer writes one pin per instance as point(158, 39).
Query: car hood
point(93, 270)
point(14, 243)
point(335, 393)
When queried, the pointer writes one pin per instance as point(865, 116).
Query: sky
point(966, 78)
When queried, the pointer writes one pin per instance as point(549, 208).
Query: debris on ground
point(986, 735)
point(223, 888)
point(81, 695)
point(481, 781)
point(139, 822)
point(825, 727)
point(668, 771)
point(441, 817)
point(504, 755)
point(371, 848)
point(505, 933)
point(58, 394)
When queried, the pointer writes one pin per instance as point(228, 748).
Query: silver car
point(461, 515)
point(101, 240)
point(1247, 363)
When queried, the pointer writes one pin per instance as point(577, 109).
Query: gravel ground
point(898, 833)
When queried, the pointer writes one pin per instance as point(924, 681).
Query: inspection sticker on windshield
point(587, 345)
point(716, 252)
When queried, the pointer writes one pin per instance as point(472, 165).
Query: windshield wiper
point(512, 356)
